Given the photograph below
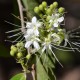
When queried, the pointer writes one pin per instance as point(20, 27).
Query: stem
point(33, 72)
point(21, 15)
point(21, 9)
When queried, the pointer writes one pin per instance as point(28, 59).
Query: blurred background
point(70, 60)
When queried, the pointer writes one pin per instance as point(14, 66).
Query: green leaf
point(20, 76)
point(41, 73)
point(47, 61)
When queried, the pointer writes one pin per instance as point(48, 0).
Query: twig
point(21, 15)
point(33, 71)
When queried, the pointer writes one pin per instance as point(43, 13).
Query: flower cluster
point(42, 33)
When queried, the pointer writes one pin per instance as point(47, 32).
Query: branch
point(21, 15)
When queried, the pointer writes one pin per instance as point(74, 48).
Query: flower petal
point(43, 49)
point(38, 39)
point(26, 36)
point(36, 45)
point(34, 20)
point(36, 32)
point(38, 24)
point(28, 25)
point(27, 45)
point(55, 24)
point(60, 19)
point(30, 31)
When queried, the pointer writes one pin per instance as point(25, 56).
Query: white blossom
point(32, 27)
point(32, 40)
point(56, 38)
point(47, 44)
point(32, 33)
point(56, 20)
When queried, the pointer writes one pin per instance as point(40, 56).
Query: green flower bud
point(15, 50)
point(12, 53)
point(12, 47)
point(19, 55)
point(41, 7)
point(28, 56)
point(48, 18)
point(44, 3)
point(55, 4)
point(49, 12)
point(36, 10)
point(51, 6)
point(61, 10)
point(20, 44)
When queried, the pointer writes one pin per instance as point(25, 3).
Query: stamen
point(56, 57)
point(70, 46)
point(69, 49)
point(76, 33)
point(74, 36)
point(74, 30)
point(22, 39)
point(75, 44)
point(11, 41)
point(60, 49)
point(13, 30)
point(15, 35)
point(17, 17)
point(12, 24)
point(17, 38)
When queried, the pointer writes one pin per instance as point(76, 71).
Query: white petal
point(57, 15)
point(43, 49)
point(26, 36)
point(55, 24)
point(28, 25)
point(34, 20)
point(38, 24)
point(36, 45)
point(60, 19)
point(36, 32)
point(38, 39)
point(50, 47)
point(30, 31)
point(27, 45)
point(51, 21)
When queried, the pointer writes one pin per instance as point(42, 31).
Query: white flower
point(56, 38)
point(32, 27)
point(56, 20)
point(32, 40)
point(47, 44)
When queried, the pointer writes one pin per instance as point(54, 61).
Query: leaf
point(20, 76)
point(48, 62)
point(29, 5)
point(41, 73)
